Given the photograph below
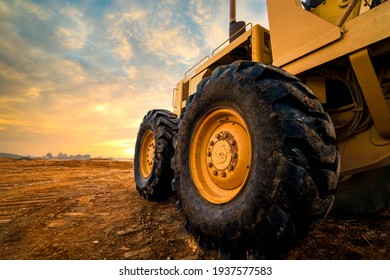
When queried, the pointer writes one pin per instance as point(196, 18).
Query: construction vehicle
point(266, 129)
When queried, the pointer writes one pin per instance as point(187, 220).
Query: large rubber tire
point(364, 193)
point(292, 162)
point(153, 152)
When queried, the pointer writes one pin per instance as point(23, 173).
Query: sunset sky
point(77, 77)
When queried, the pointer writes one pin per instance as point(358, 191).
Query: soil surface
point(70, 209)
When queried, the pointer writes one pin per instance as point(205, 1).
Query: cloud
point(9, 99)
point(70, 38)
point(212, 20)
point(34, 9)
point(154, 30)
point(118, 33)
point(4, 9)
point(254, 11)
point(34, 92)
point(74, 29)
point(12, 122)
point(201, 12)
point(76, 74)
point(7, 72)
point(124, 49)
point(132, 72)
point(172, 45)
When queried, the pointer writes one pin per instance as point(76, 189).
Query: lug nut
point(217, 135)
point(208, 154)
point(223, 174)
point(210, 164)
point(231, 167)
point(235, 155)
point(215, 172)
point(234, 142)
point(211, 143)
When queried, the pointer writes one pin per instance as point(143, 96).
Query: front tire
point(256, 161)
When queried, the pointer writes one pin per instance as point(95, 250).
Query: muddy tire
point(256, 164)
point(364, 193)
point(153, 153)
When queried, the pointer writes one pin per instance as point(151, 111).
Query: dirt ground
point(69, 209)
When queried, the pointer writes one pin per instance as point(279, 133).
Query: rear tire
point(153, 153)
point(284, 158)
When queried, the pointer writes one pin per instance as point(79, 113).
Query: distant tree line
point(65, 156)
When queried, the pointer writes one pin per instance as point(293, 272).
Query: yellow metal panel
point(317, 85)
point(296, 32)
point(256, 44)
point(332, 10)
point(180, 94)
point(185, 88)
point(261, 45)
point(359, 153)
point(378, 140)
point(197, 79)
point(362, 31)
point(372, 91)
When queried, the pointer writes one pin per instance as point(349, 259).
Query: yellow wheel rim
point(147, 154)
point(220, 155)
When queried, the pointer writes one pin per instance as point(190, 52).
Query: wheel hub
point(147, 154)
point(223, 154)
point(150, 154)
point(220, 155)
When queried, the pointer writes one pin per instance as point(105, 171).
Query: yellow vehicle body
point(266, 128)
point(306, 42)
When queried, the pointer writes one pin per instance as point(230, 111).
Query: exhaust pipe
point(232, 11)
point(234, 25)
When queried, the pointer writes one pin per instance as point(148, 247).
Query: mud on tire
point(153, 153)
point(292, 173)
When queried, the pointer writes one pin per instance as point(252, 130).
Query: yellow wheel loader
point(267, 127)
